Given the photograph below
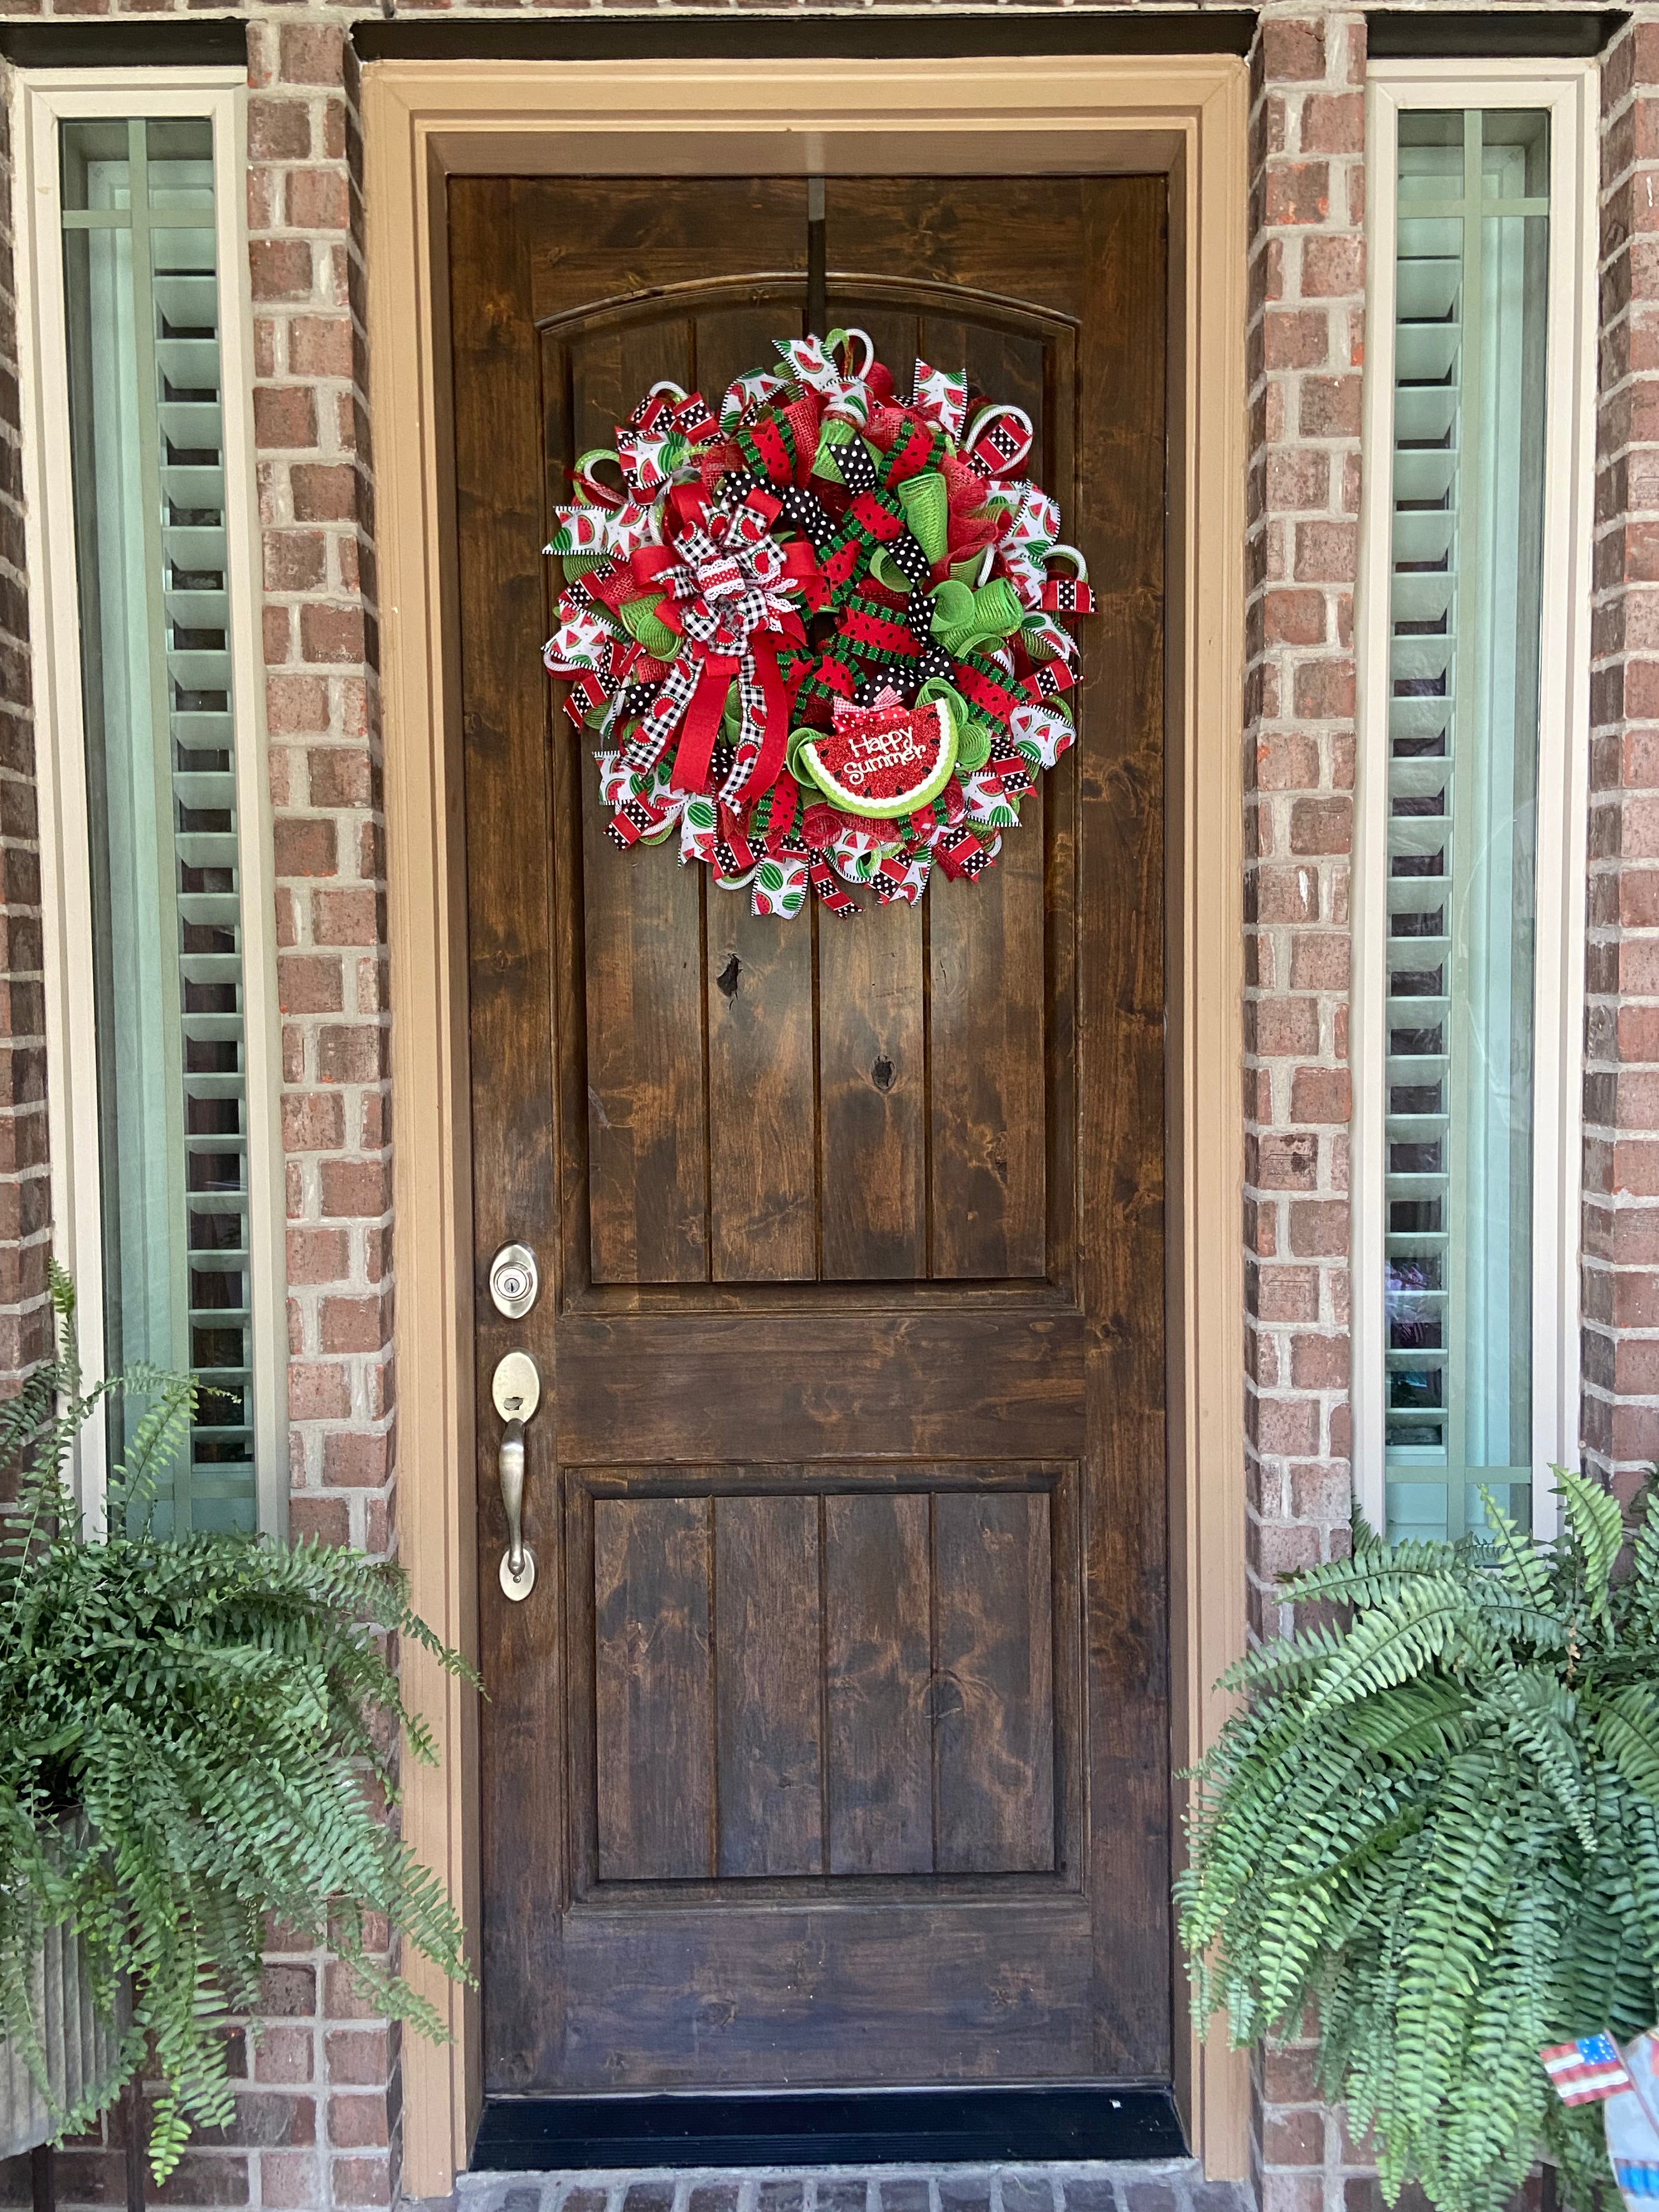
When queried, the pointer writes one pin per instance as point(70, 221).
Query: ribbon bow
point(730, 588)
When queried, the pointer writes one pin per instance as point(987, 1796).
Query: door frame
point(1183, 116)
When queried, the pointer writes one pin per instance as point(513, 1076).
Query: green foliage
point(221, 1712)
point(1439, 1824)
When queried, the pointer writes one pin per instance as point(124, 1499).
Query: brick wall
point(1620, 1417)
point(317, 2122)
point(1306, 337)
point(1306, 341)
point(24, 1190)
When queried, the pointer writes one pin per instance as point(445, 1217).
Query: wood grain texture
point(654, 1688)
point(987, 1157)
point(768, 1698)
point(647, 1132)
point(872, 1073)
point(719, 1386)
point(502, 604)
point(996, 1990)
point(603, 238)
point(1121, 1058)
point(878, 1679)
point(994, 1738)
point(932, 1385)
point(762, 1126)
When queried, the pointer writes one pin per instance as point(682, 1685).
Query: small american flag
point(1588, 2070)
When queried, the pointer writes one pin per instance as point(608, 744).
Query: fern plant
point(1439, 1823)
point(220, 1713)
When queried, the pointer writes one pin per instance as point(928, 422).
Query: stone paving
point(1154, 2186)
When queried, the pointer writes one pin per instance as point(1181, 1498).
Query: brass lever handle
point(516, 1387)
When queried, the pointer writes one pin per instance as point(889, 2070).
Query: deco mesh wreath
point(817, 635)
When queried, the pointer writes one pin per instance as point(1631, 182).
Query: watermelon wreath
point(817, 635)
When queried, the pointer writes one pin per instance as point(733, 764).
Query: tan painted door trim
point(427, 120)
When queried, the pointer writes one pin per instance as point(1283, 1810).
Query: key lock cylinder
point(516, 1387)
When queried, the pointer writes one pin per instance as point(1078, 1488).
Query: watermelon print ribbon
point(819, 632)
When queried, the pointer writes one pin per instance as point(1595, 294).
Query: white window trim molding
point(1571, 91)
point(41, 100)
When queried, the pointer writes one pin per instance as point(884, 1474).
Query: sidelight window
point(163, 1071)
point(1467, 900)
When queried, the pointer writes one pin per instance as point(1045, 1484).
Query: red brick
point(1329, 406)
point(278, 130)
point(318, 1391)
point(284, 415)
point(354, 1324)
point(313, 1121)
point(352, 1461)
point(296, 704)
point(1332, 268)
point(306, 847)
point(311, 54)
point(1319, 1228)
point(1322, 825)
point(1324, 690)
point(325, 1520)
point(354, 1052)
point(280, 267)
point(1296, 337)
point(357, 1189)
point(283, 2055)
point(1282, 1026)
point(319, 199)
point(361, 2181)
point(1327, 552)
point(1319, 1363)
point(1298, 192)
point(345, 917)
point(357, 2055)
point(1285, 1161)
point(294, 560)
point(1321, 1094)
point(357, 2123)
point(1287, 760)
point(1294, 2139)
point(1294, 618)
point(318, 1256)
point(340, 776)
point(291, 2181)
point(1293, 49)
point(1333, 123)
point(309, 983)
point(331, 632)
point(324, 491)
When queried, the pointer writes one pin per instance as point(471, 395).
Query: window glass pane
point(143, 326)
point(1469, 366)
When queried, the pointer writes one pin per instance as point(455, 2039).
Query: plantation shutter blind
point(143, 292)
point(1461, 835)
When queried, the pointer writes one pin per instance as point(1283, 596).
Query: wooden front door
point(832, 1746)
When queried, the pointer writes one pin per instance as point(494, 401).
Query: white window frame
point(42, 101)
point(1571, 92)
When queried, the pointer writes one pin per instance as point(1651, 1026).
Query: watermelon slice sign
point(884, 761)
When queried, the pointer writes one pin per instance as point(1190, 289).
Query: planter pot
point(79, 2047)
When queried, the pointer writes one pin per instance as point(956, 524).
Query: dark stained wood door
point(832, 1746)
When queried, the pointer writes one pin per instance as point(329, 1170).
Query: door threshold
point(955, 2126)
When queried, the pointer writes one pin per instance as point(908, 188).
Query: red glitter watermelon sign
point(817, 635)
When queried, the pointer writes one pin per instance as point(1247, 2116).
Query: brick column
point(1620, 1282)
point(25, 1186)
point(1306, 339)
point(320, 2117)
point(316, 2122)
point(1307, 275)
